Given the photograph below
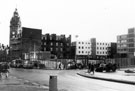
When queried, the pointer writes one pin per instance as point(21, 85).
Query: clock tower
point(15, 35)
point(15, 26)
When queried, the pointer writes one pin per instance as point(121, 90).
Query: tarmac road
point(68, 80)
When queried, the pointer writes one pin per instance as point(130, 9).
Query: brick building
point(59, 46)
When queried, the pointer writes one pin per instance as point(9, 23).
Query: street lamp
point(76, 48)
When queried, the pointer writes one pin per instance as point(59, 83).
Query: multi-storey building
point(131, 42)
point(92, 49)
point(122, 48)
point(112, 50)
point(83, 49)
point(99, 49)
point(59, 46)
point(126, 44)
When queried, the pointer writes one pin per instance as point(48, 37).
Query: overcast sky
point(102, 19)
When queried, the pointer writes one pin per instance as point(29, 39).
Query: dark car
point(109, 67)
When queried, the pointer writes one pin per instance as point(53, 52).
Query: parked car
point(109, 67)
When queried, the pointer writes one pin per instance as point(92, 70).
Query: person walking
point(6, 69)
point(1, 69)
point(92, 69)
point(89, 67)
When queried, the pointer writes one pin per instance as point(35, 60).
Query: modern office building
point(131, 42)
point(83, 49)
point(122, 46)
point(58, 45)
point(92, 49)
point(99, 49)
point(126, 44)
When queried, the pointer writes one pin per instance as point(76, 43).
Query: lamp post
point(76, 48)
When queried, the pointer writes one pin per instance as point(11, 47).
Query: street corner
point(105, 77)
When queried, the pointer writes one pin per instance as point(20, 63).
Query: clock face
point(13, 33)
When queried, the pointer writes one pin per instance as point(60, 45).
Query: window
point(97, 52)
point(67, 44)
point(50, 37)
point(61, 49)
point(97, 48)
point(45, 38)
point(56, 44)
point(57, 38)
point(82, 43)
point(44, 43)
point(56, 49)
point(82, 47)
point(82, 51)
point(79, 47)
point(61, 44)
point(51, 43)
point(51, 49)
point(44, 49)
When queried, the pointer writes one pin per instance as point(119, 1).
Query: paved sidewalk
point(14, 84)
point(118, 76)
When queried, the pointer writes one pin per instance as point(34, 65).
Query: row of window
point(102, 48)
point(52, 49)
point(102, 44)
point(83, 47)
point(57, 38)
point(102, 52)
point(57, 44)
point(83, 42)
point(81, 52)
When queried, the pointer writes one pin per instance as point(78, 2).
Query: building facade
point(92, 49)
point(122, 46)
point(131, 42)
point(99, 49)
point(126, 44)
point(22, 40)
point(60, 46)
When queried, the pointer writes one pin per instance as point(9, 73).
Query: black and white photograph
point(67, 45)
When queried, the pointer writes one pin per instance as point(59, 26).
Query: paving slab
point(13, 84)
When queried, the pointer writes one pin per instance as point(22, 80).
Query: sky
point(100, 19)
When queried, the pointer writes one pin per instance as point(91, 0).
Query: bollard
point(53, 83)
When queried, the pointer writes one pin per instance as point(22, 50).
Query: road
point(68, 80)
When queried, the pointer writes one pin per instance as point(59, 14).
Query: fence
point(125, 62)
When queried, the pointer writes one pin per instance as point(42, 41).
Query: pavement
point(15, 84)
point(119, 76)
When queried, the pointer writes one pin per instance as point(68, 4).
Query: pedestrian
point(6, 69)
point(92, 69)
point(60, 66)
point(89, 67)
point(1, 68)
